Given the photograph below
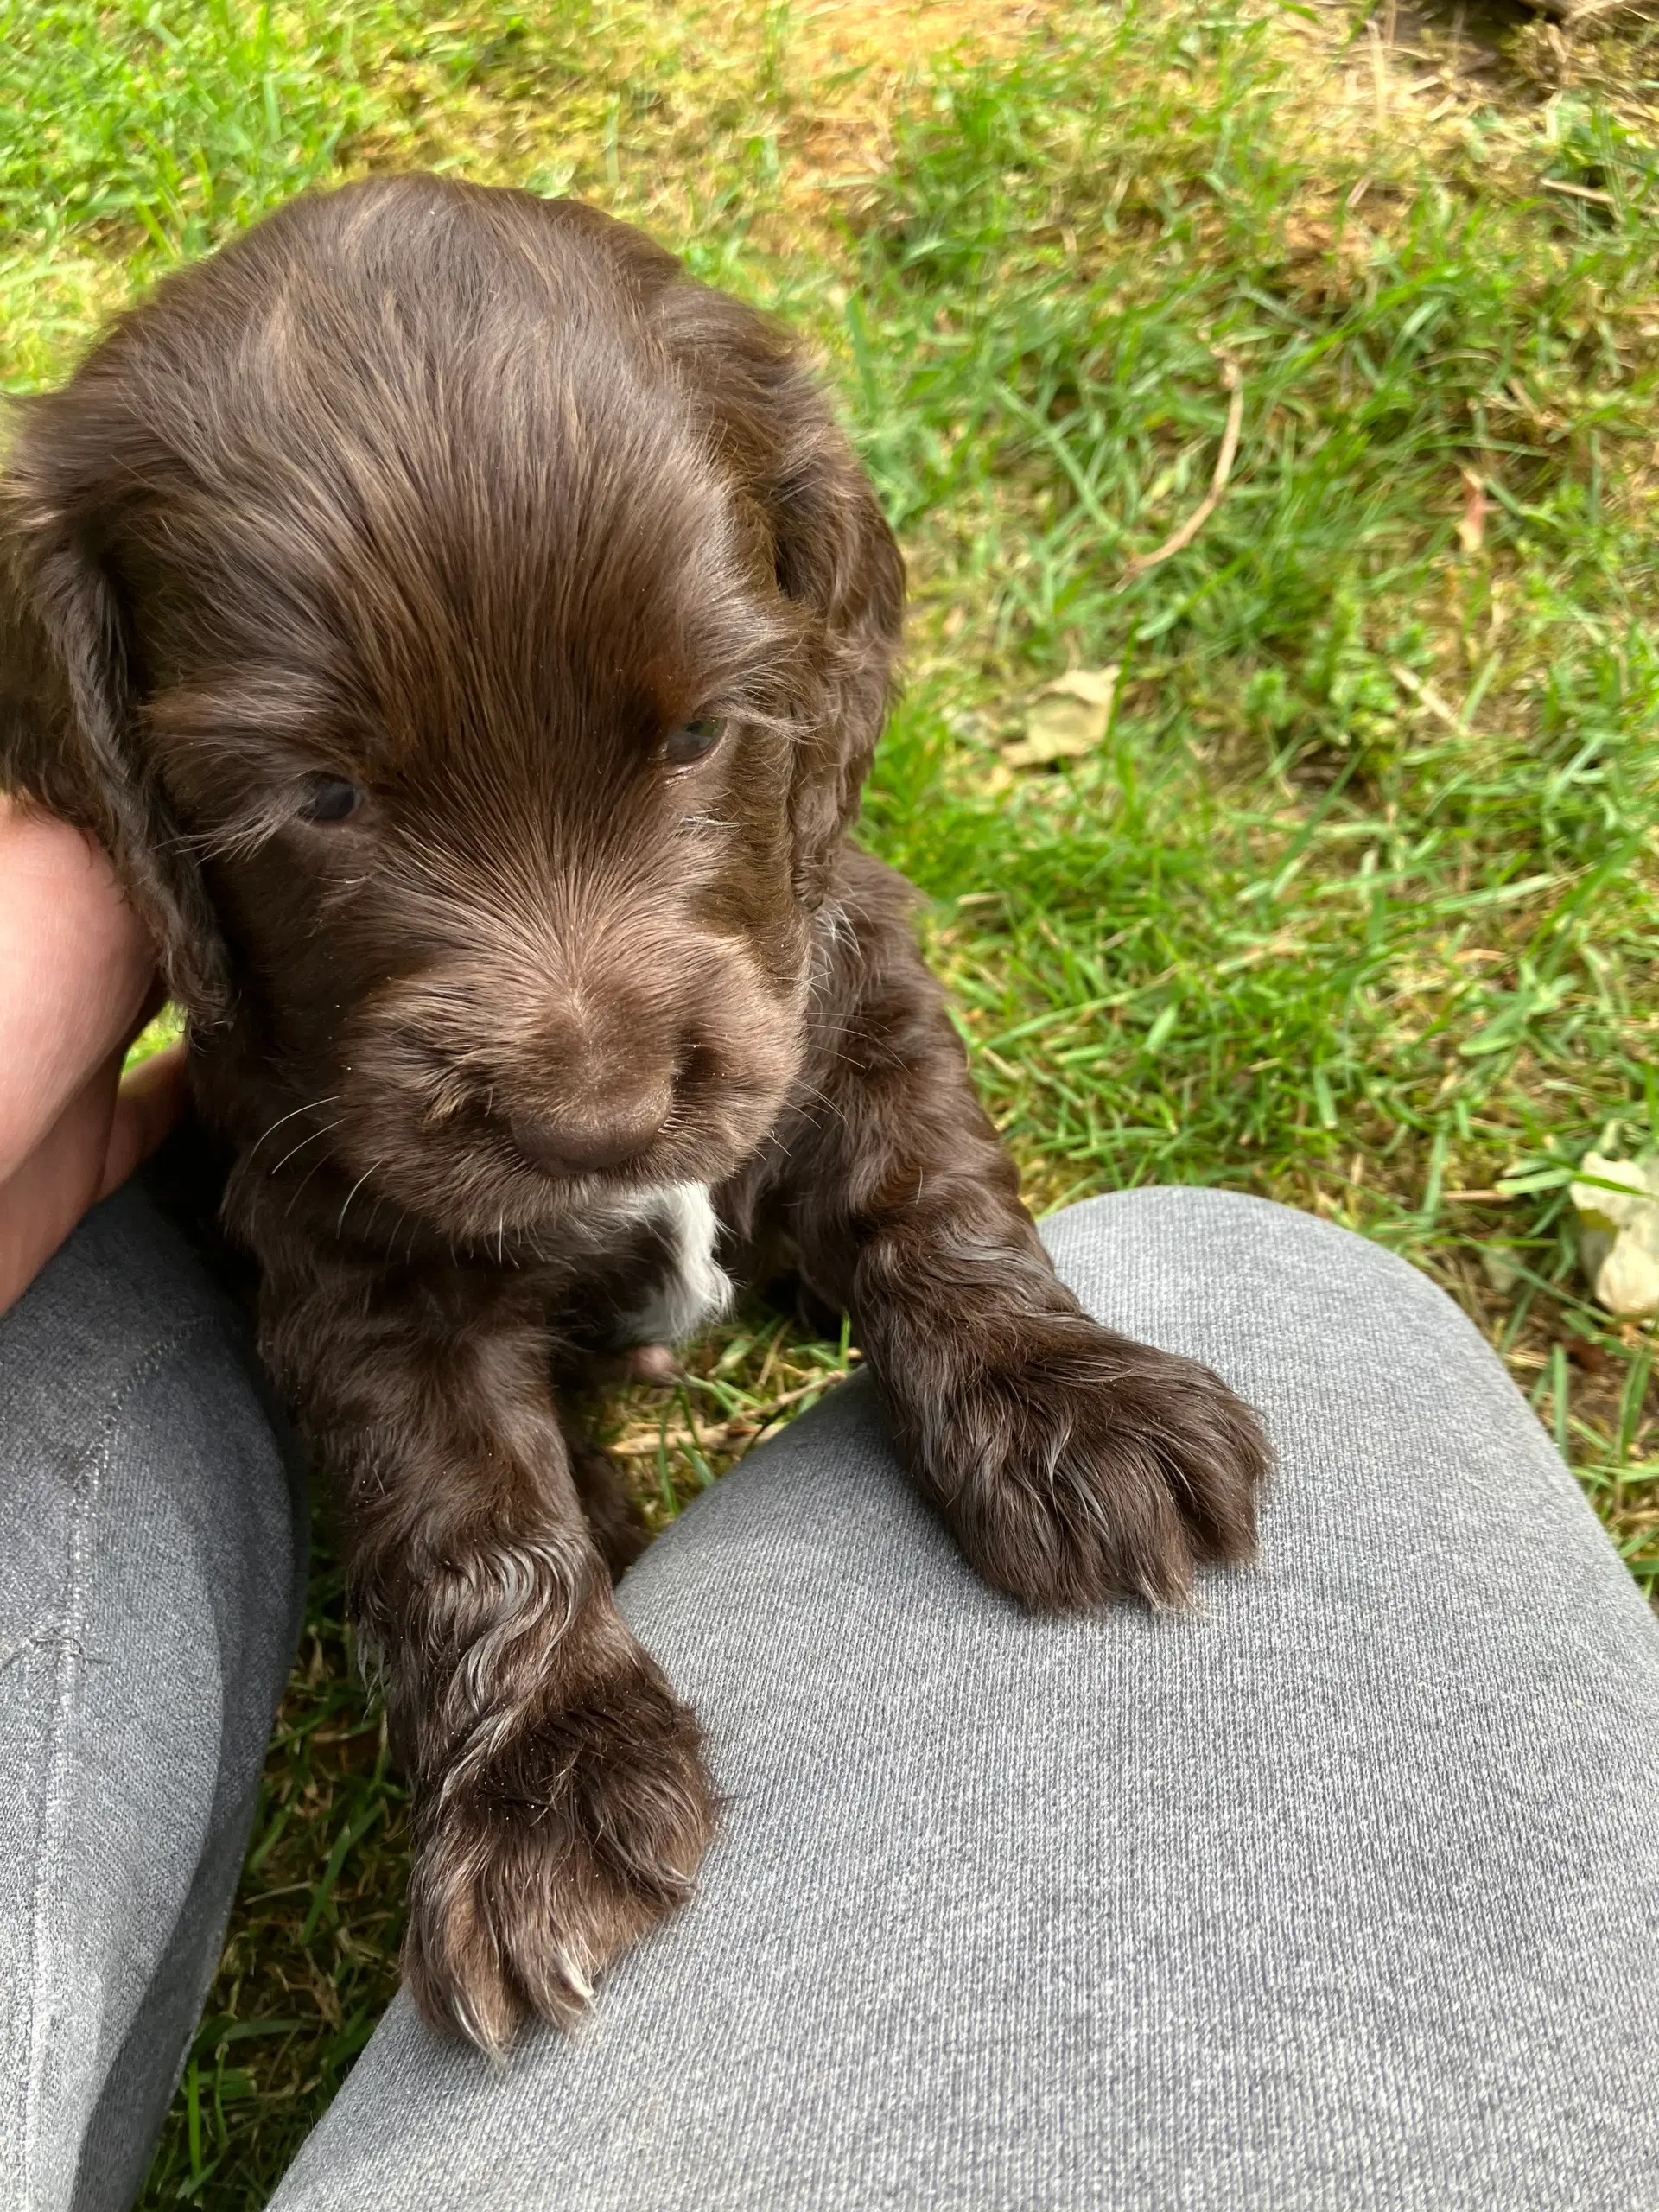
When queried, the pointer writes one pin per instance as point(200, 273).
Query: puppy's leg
point(612, 1515)
point(559, 1803)
point(1069, 1461)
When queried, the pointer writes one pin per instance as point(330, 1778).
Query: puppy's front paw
point(539, 1858)
point(1080, 1464)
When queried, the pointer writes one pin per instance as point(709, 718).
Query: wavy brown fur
point(469, 502)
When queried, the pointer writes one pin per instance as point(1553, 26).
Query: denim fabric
point(151, 1572)
point(1338, 1890)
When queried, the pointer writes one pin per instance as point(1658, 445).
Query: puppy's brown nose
point(587, 1144)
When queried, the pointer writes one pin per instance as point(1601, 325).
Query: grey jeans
point(1338, 1891)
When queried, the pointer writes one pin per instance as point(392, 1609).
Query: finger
point(46, 1194)
point(154, 1000)
point(151, 1100)
point(76, 969)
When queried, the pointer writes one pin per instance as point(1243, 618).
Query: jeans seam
point(86, 1485)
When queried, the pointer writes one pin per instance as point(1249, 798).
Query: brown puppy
point(469, 637)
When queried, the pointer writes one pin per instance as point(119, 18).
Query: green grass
point(1355, 903)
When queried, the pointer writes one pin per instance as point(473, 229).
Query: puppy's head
point(469, 637)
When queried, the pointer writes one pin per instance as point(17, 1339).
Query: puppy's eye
point(330, 799)
point(691, 741)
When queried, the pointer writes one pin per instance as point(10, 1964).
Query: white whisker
point(310, 1105)
point(351, 1194)
point(326, 1129)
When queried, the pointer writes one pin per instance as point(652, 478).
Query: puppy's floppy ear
point(834, 555)
point(69, 730)
point(832, 551)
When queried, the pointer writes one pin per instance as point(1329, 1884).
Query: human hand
point(77, 981)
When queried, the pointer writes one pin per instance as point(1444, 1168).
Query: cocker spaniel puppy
point(469, 636)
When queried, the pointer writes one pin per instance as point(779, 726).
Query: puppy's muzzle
point(605, 1134)
point(597, 1087)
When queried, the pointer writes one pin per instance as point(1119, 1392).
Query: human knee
point(1192, 1260)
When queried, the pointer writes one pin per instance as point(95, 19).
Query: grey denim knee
point(1334, 1892)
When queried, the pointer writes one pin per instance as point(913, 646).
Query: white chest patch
point(694, 1288)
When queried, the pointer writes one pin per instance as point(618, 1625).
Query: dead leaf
point(1591, 1357)
point(1067, 720)
point(1098, 686)
point(1472, 523)
point(1499, 1269)
point(1618, 1233)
